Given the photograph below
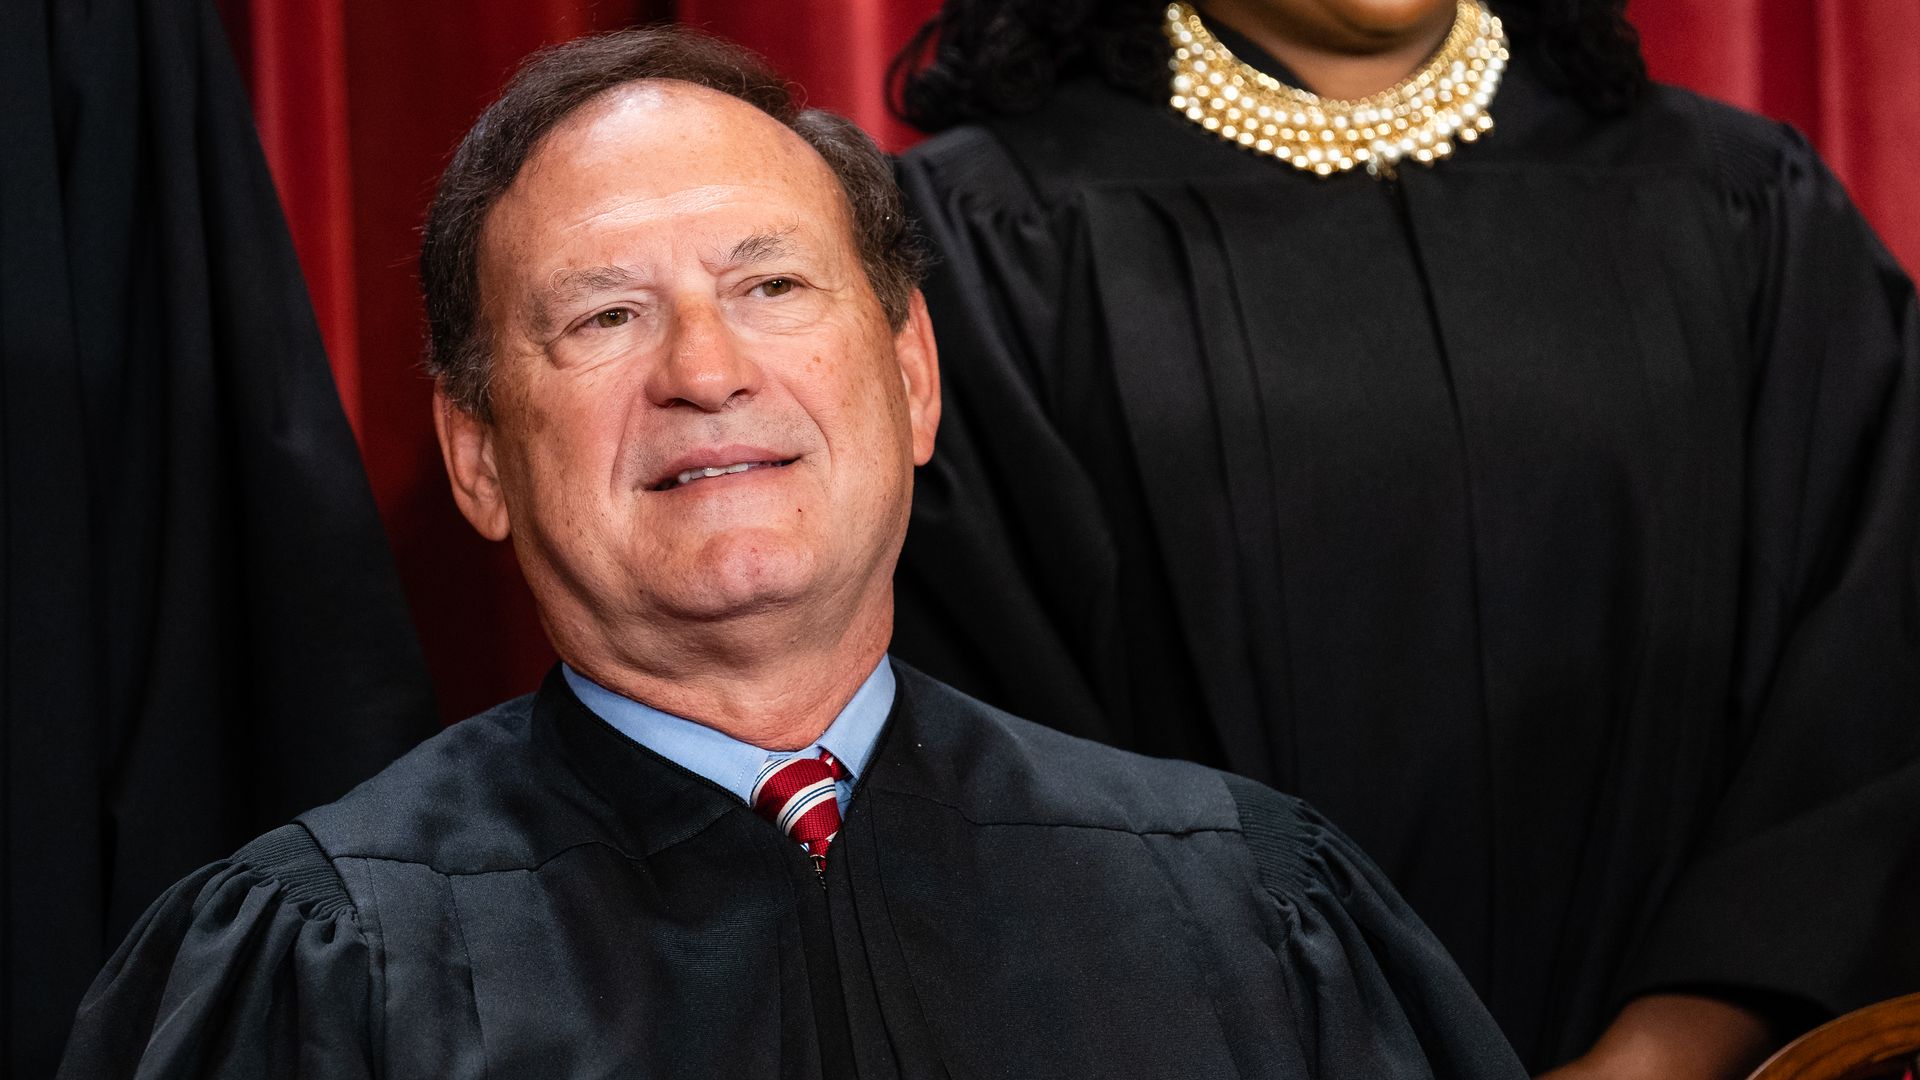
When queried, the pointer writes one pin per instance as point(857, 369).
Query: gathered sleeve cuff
point(1372, 992)
point(253, 966)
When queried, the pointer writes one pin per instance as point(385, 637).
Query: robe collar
point(655, 802)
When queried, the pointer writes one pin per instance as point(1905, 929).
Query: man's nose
point(704, 365)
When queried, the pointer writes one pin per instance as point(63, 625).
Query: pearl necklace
point(1418, 118)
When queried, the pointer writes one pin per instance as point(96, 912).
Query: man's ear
point(919, 362)
point(466, 445)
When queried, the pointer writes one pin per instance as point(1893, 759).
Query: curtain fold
point(295, 58)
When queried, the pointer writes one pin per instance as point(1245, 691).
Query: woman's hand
point(1674, 1037)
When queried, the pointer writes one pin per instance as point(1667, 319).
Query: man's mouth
point(688, 476)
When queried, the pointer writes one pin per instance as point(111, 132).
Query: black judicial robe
point(1547, 518)
point(201, 630)
point(530, 894)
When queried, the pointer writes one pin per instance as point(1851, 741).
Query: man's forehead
point(652, 150)
point(667, 123)
point(727, 212)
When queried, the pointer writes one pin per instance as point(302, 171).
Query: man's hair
point(546, 90)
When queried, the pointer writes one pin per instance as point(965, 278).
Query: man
point(683, 367)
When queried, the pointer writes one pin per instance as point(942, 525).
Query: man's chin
point(739, 576)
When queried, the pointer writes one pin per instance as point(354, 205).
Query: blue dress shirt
point(727, 761)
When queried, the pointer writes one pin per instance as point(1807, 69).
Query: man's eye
point(776, 286)
point(607, 320)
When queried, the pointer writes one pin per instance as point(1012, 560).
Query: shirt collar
point(725, 760)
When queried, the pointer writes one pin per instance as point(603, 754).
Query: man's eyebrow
point(761, 247)
point(565, 286)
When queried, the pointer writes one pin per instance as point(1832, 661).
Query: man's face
point(699, 408)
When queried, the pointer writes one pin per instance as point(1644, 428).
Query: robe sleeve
point(1004, 497)
point(236, 971)
point(1372, 992)
point(1806, 889)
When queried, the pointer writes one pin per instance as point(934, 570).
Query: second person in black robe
point(201, 630)
point(1548, 517)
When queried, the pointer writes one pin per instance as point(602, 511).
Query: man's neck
point(774, 687)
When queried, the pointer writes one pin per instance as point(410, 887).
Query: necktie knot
point(798, 794)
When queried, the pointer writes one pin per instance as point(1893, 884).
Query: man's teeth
point(701, 474)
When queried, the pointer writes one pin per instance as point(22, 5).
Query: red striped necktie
point(799, 796)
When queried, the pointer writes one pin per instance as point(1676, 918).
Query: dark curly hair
point(982, 58)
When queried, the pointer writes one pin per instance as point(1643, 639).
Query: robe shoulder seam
point(519, 866)
point(1279, 832)
point(292, 857)
point(975, 166)
point(971, 819)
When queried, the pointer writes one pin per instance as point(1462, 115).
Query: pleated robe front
point(1547, 517)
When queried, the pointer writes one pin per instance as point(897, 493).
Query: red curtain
point(1846, 74)
point(360, 104)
